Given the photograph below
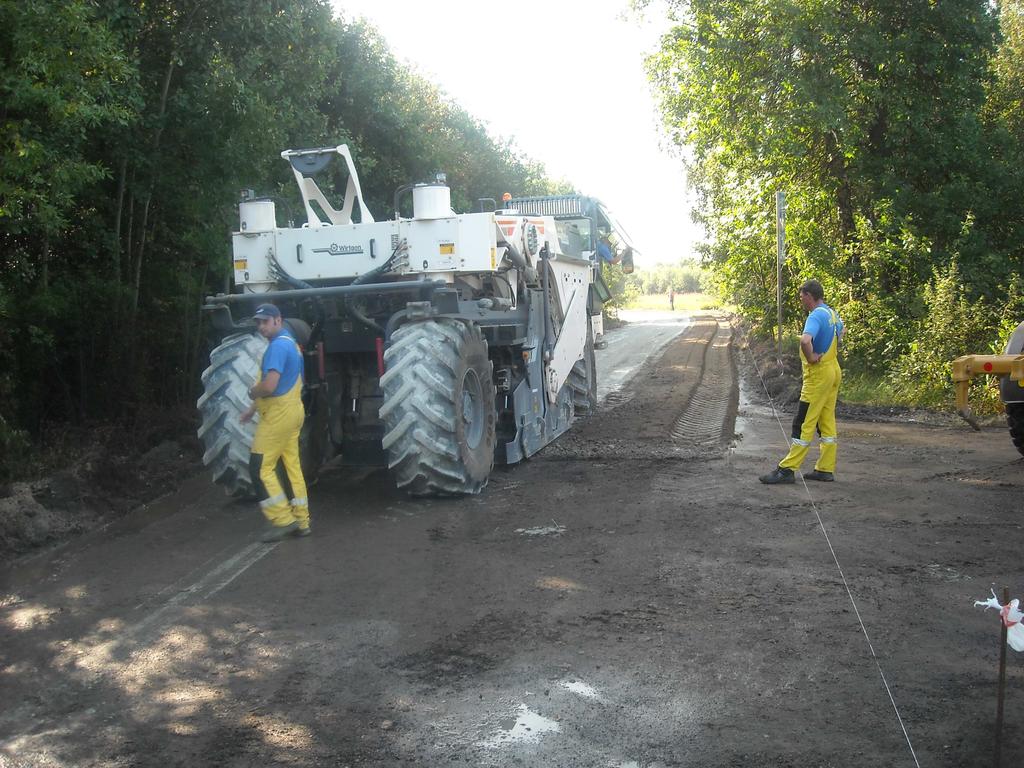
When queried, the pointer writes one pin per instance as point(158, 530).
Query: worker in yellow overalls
point(819, 361)
point(277, 398)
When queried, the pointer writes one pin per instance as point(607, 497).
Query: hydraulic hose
point(373, 274)
point(393, 322)
point(368, 277)
point(280, 273)
point(515, 257)
point(520, 263)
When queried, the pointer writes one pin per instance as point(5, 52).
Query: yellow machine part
point(967, 367)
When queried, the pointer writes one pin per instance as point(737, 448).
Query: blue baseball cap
point(266, 312)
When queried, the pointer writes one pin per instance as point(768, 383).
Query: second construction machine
point(1009, 367)
point(434, 344)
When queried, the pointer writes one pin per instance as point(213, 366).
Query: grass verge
point(876, 389)
point(685, 302)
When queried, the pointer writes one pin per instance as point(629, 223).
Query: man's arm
point(246, 416)
point(607, 253)
point(266, 386)
point(807, 345)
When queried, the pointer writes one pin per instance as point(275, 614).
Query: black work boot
point(779, 475)
point(825, 477)
point(278, 532)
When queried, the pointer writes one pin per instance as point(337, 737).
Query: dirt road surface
point(630, 597)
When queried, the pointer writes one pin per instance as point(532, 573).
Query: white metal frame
point(311, 192)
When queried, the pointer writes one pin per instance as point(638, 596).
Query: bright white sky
point(585, 110)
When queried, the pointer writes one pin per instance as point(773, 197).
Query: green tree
point(1003, 116)
point(64, 80)
point(868, 115)
point(128, 129)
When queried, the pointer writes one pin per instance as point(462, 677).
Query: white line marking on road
point(248, 557)
point(174, 586)
point(212, 582)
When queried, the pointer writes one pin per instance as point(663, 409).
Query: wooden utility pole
point(780, 247)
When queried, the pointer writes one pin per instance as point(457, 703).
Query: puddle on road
point(555, 582)
point(547, 530)
point(581, 689)
point(862, 434)
point(746, 441)
point(527, 727)
point(945, 572)
point(743, 408)
point(895, 434)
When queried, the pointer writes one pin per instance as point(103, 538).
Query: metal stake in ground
point(1002, 682)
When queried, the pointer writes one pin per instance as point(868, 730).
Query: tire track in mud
point(614, 400)
point(681, 405)
point(711, 413)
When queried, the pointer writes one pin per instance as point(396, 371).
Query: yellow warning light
point(507, 197)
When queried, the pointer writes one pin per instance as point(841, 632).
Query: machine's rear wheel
point(234, 367)
point(438, 410)
point(1015, 420)
point(583, 379)
point(314, 440)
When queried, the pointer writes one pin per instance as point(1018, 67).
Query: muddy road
point(633, 596)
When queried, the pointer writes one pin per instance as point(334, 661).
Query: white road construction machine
point(435, 345)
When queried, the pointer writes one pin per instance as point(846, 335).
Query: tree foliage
point(682, 277)
point(128, 128)
point(893, 128)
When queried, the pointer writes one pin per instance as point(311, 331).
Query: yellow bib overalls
point(817, 410)
point(277, 438)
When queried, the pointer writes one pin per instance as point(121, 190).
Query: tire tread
point(234, 367)
point(420, 409)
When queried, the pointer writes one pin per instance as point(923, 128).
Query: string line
point(839, 567)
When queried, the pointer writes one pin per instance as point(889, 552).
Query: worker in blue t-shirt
point(277, 398)
point(819, 347)
point(606, 252)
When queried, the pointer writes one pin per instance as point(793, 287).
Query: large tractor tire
point(315, 446)
point(234, 367)
point(438, 409)
point(583, 379)
point(1015, 420)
